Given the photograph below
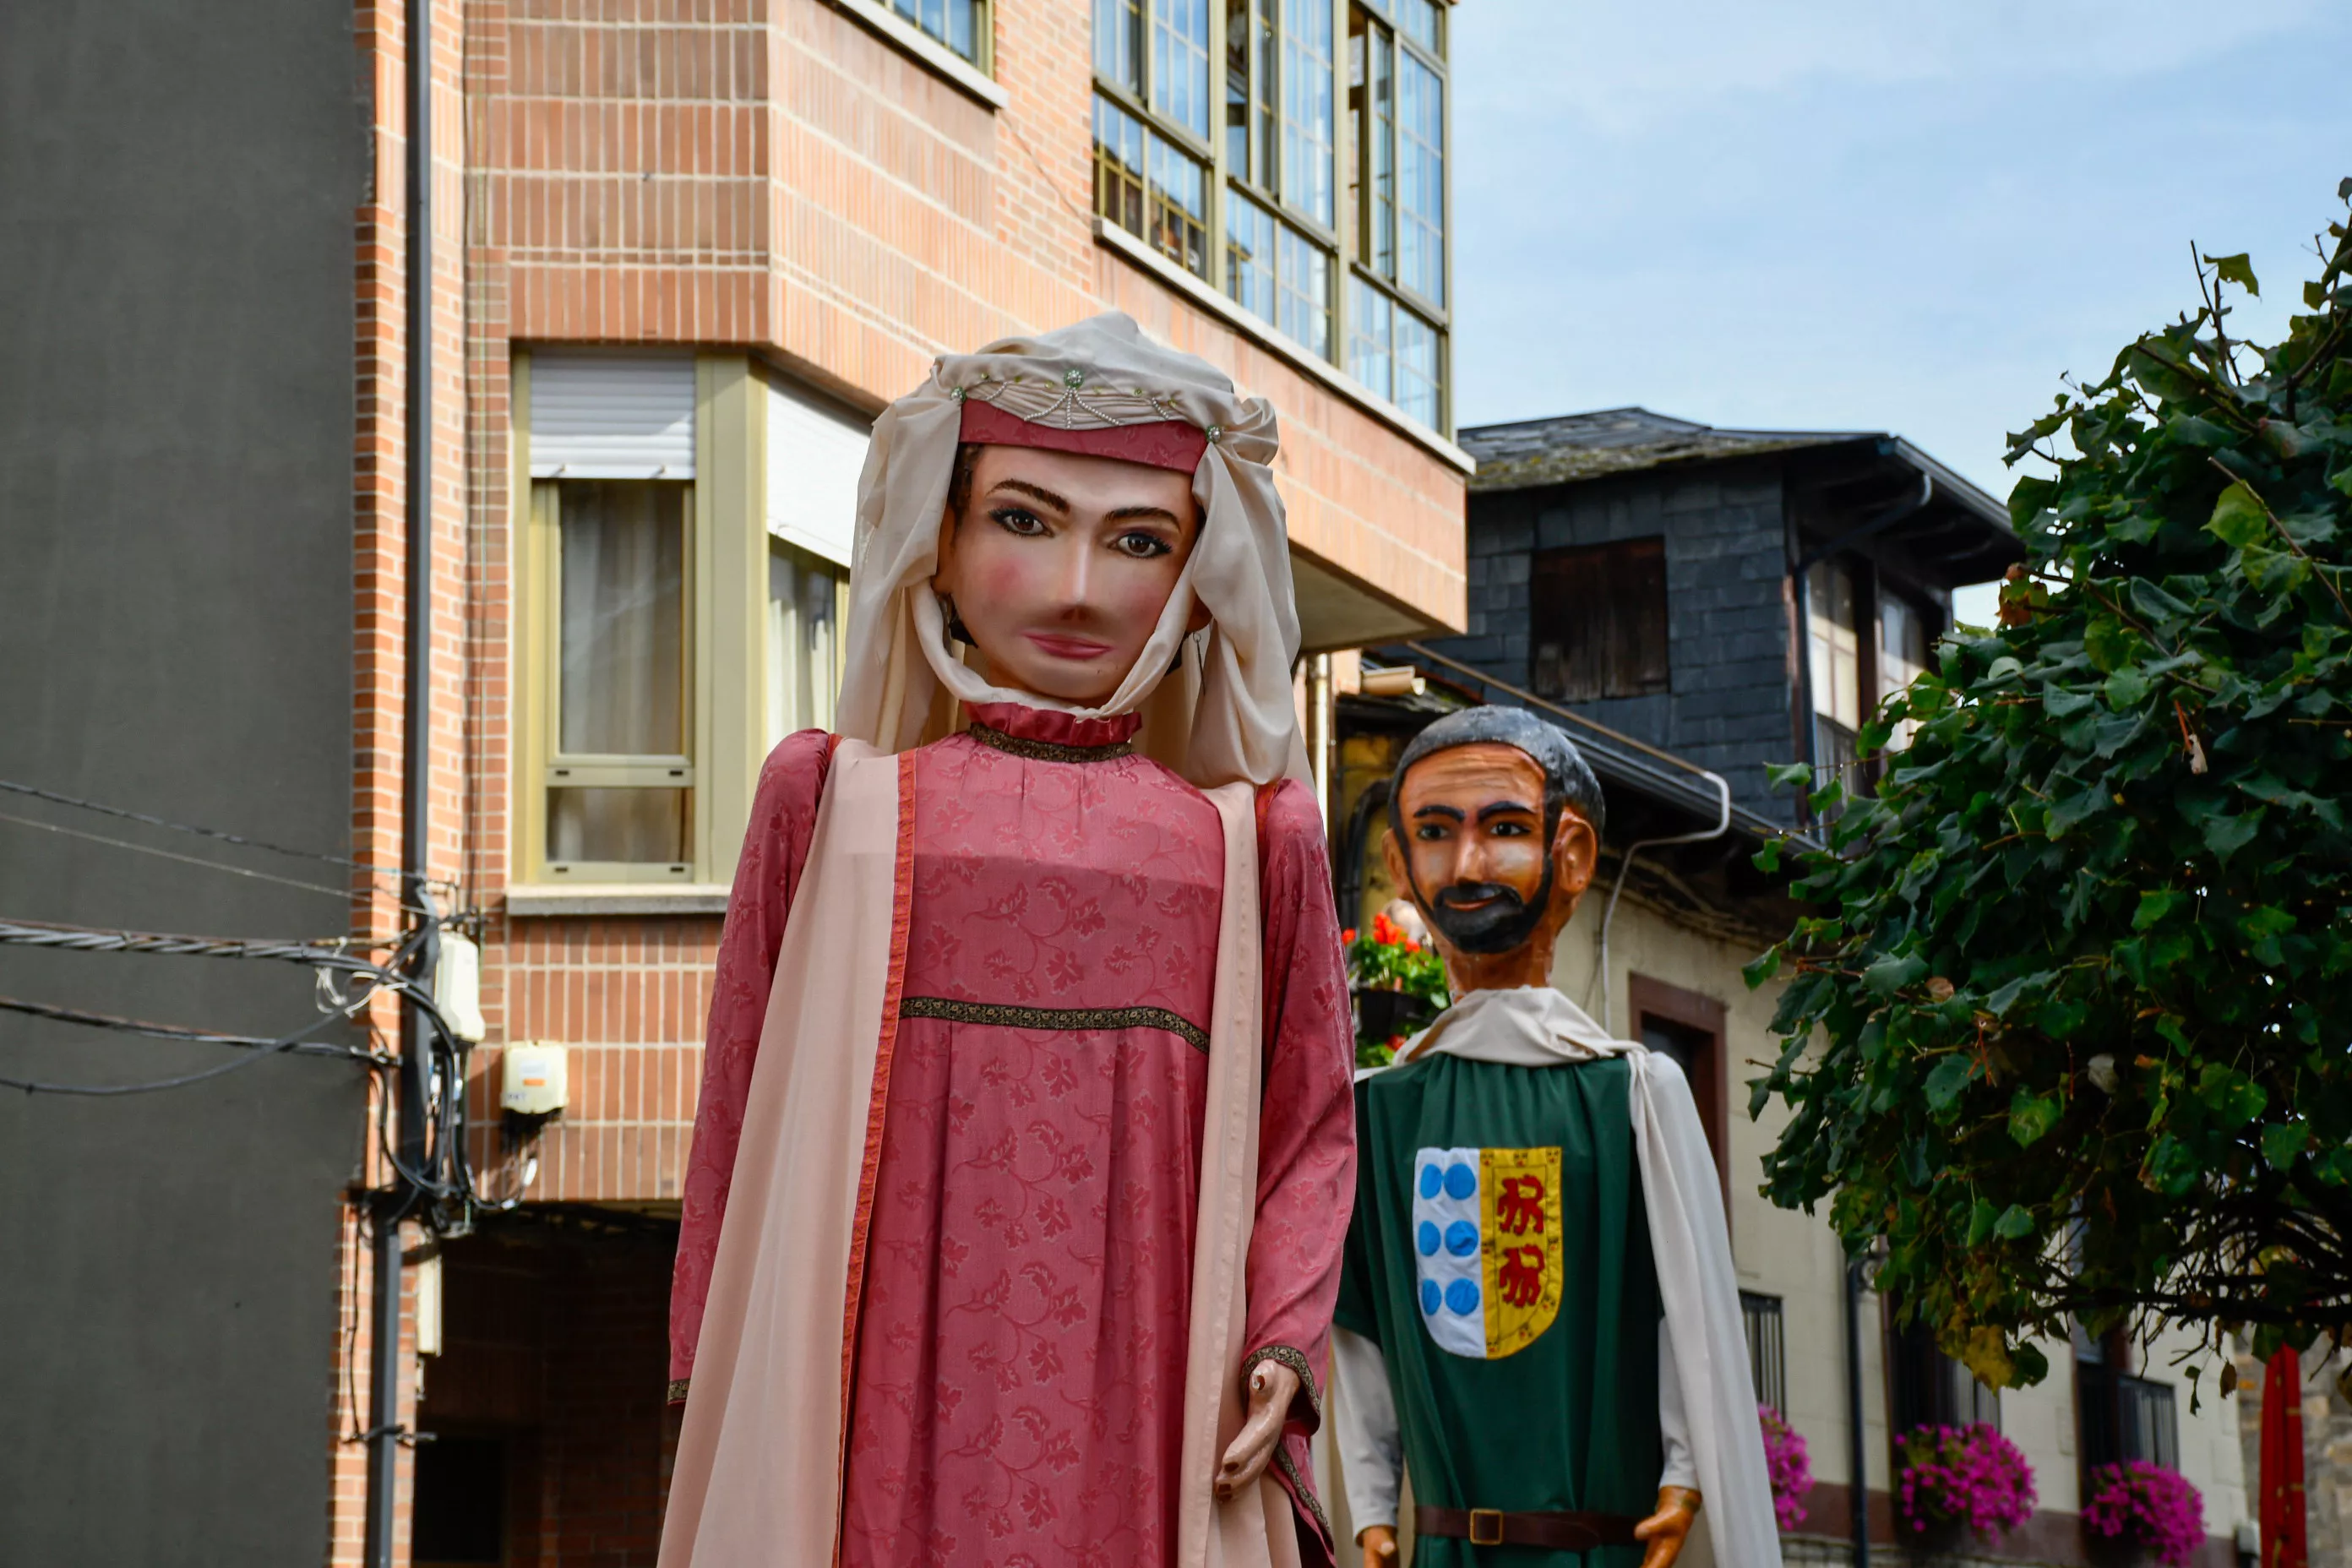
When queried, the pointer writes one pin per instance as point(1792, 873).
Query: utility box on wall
point(533, 1079)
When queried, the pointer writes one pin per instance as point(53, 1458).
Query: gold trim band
point(1300, 1489)
point(1004, 1016)
point(1295, 1360)
point(1047, 751)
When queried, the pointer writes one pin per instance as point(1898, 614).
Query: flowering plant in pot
point(1789, 1465)
point(2149, 1506)
point(1961, 1478)
point(1399, 982)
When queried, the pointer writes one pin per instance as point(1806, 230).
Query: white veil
point(1226, 714)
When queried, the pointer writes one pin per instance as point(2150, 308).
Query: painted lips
point(1056, 646)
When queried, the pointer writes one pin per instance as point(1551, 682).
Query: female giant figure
point(1025, 1154)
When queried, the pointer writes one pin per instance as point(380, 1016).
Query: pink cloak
point(1015, 1341)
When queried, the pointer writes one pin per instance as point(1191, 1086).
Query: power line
point(225, 837)
point(332, 954)
point(346, 894)
point(178, 1032)
point(264, 1051)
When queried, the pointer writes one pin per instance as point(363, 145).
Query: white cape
point(1536, 1027)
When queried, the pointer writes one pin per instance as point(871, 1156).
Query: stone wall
point(1731, 695)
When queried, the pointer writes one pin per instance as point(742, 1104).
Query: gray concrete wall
point(177, 186)
point(1730, 700)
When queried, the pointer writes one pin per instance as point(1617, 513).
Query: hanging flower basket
point(2147, 1506)
point(1957, 1480)
point(1399, 983)
point(1790, 1466)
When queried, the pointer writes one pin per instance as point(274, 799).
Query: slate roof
point(1573, 447)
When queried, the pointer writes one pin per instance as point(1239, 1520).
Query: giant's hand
point(1668, 1529)
point(1272, 1387)
point(1379, 1541)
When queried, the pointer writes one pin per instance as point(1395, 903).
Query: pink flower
point(1971, 1475)
point(2155, 1507)
point(1789, 1465)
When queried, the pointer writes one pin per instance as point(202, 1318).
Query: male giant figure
point(1538, 1314)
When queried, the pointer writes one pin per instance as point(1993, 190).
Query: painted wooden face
point(1474, 843)
point(1060, 564)
point(1479, 861)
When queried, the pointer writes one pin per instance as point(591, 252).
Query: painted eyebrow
point(1451, 812)
point(1141, 513)
point(1038, 493)
point(1504, 808)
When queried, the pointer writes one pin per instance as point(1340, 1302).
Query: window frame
point(1256, 174)
point(557, 769)
point(725, 610)
point(1693, 1014)
point(1611, 580)
point(1356, 190)
point(983, 32)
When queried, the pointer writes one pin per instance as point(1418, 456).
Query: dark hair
point(1568, 778)
point(967, 458)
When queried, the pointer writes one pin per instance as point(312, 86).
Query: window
point(1768, 1356)
point(1397, 197)
point(1599, 621)
point(1151, 124)
point(1687, 1026)
point(807, 606)
point(620, 778)
point(1903, 641)
point(962, 25)
point(1150, 187)
point(679, 599)
point(2123, 1417)
point(1928, 1388)
point(1834, 619)
point(1251, 203)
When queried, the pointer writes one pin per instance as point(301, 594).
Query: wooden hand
point(1668, 1529)
point(1272, 1387)
point(1379, 1541)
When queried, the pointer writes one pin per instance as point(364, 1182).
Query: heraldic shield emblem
point(1485, 1246)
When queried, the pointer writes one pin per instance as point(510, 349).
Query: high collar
point(1521, 1026)
point(1052, 734)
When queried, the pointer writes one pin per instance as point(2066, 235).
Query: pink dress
point(1017, 1372)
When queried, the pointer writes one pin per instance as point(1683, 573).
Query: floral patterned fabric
point(1017, 1383)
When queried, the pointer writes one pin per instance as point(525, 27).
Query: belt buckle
point(1485, 1527)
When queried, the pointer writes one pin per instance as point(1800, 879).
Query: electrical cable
point(226, 837)
point(385, 977)
point(267, 1050)
point(178, 1032)
point(346, 894)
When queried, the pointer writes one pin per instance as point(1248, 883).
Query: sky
point(1900, 216)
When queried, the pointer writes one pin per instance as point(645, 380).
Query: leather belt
point(1558, 1531)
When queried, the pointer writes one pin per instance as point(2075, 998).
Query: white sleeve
point(1364, 1427)
point(1673, 1426)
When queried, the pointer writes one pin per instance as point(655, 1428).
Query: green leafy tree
point(2070, 1034)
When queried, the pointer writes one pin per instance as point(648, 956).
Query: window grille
point(1768, 1356)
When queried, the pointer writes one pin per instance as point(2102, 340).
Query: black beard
point(1504, 923)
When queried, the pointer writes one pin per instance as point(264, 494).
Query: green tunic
point(1513, 1392)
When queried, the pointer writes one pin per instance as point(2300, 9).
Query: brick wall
point(776, 176)
point(1729, 651)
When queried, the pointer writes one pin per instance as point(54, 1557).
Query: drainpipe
point(1722, 826)
point(415, 819)
point(1857, 1451)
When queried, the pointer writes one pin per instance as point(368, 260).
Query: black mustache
point(1455, 895)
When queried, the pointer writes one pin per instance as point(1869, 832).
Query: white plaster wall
point(1791, 1254)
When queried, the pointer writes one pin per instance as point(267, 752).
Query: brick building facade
point(775, 213)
